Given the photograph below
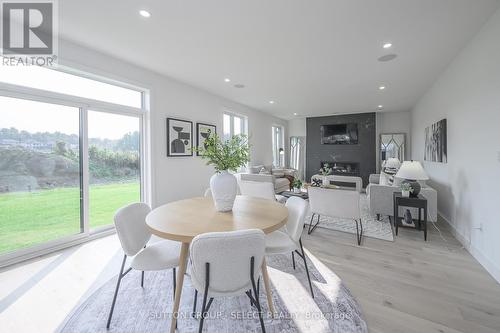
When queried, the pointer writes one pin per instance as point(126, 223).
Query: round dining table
point(185, 219)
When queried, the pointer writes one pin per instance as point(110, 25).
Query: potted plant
point(406, 189)
point(325, 171)
point(297, 185)
point(225, 156)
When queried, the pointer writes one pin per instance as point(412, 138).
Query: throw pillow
point(256, 169)
point(263, 171)
point(384, 179)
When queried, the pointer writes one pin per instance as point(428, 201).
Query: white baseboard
point(490, 266)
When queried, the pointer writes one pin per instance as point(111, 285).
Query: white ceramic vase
point(405, 194)
point(224, 187)
point(296, 190)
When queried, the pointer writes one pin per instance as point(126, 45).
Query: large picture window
point(70, 155)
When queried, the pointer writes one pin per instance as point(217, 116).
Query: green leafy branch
point(226, 155)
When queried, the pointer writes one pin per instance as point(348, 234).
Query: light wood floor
point(410, 285)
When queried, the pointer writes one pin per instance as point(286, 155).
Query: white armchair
point(335, 203)
point(381, 202)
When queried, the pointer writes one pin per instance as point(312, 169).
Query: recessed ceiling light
point(271, 102)
point(144, 13)
point(387, 57)
point(227, 80)
point(387, 45)
point(295, 113)
point(380, 107)
point(381, 88)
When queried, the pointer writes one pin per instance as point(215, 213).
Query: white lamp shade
point(392, 163)
point(412, 170)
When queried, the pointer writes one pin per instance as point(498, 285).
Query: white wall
point(297, 127)
point(176, 177)
point(394, 122)
point(467, 94)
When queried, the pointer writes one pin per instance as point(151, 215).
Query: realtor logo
point(29, 28)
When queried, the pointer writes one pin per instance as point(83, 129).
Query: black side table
point(419, 202)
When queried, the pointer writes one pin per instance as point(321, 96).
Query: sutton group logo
point(29, 32)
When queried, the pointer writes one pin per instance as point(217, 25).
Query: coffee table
point(301, 194)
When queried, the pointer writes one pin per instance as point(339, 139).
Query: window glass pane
point(227, 127)
point(114, 165)
point(238, 124)
point(39, 173)
point(61, 82)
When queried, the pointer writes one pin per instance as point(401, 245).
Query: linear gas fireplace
point(343, 168)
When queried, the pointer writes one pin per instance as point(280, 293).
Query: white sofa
point(380, 199)
point(276, 176)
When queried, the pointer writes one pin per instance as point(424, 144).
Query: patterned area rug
point(371, 227)
point(149, 309)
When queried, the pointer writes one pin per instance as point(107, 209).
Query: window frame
point(232, 115)
point(84, 105)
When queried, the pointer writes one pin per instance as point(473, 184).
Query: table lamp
point(412, 171)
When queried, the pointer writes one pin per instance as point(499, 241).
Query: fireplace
point(343, 168)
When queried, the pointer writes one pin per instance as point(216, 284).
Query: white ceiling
point(312, 57)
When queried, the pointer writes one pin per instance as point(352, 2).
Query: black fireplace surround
point(348, 160)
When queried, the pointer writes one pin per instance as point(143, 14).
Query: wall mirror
point(392, 145)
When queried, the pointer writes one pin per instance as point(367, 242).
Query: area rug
point(371, 227)
point(149, 309)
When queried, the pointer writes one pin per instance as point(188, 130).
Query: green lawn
point(32, 218)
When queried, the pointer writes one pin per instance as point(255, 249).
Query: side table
point(419, 202)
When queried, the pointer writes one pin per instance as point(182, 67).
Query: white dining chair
point(134, 235)
point(227, 264)
point(337, 203)
point(263, 190)
point(288, 239)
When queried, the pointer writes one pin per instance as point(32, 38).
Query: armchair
point(380, 199)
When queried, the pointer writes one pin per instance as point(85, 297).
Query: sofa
point(280, 177)
point(380, 199)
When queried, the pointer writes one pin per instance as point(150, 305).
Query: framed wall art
point(203, 131)
point(179, 137)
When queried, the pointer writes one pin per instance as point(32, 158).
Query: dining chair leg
point(254, 287)
point(249, 294)
point(142, 274)
point(120, 276)
point(205, 295)
point(359, 234)
point(194, 303)
point(311, 226)
point(174, 275)
point(293, 259)
point(305, 265)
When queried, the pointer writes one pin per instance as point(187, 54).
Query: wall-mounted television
point(339, 134)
